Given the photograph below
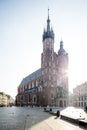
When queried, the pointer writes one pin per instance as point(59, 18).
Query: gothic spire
point(48, 22)
point(49, 31)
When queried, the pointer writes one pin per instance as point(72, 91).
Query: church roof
point(31, 77)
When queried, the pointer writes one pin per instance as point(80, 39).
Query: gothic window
point(64, 103)
point(52, 95)
point(61, 103)
point(26, 98)
point(45, 63)
point(45, 83)
point(53, 71)
point(53, 64)
point(34, 99)
point(50, 70)
point(84, 103)
point(40, 89)
point(42, 72)
point(52, 45)
point(24, 87)
point(27, 86)
point(34, 83)
point(49, 77)
point(18, 90)
point(29, 98)
point(57, 62)
point(39, 80)
point(21, 98)
point(46, 70)
point(54, 78)
point(31, 85)
point(49, 63)
point(51, 85)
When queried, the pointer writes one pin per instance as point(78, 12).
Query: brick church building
point(49, 84)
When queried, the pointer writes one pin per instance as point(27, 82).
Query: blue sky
point(21, 28)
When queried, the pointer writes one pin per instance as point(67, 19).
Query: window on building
point(27, 86)
point(82, 98)
point(42, 72)
point(82, 104)
point(64, 103)
point(45, 63)
point(26, 98)
point(46, 70)
point(40, 89)
point(24, 87)
point(49, 77)
point(50, 70)
point(21, 98)
point(53, 71)
point(34, 83)
point(39, 80)
point(29, 98)
point(49, 63)
point(31, 85)
point(45, 84)
point(52, 95)
point(34, 99)
point(51, 85)
point(53, 64)
point(54, 78)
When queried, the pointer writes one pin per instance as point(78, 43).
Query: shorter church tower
point(62, 77)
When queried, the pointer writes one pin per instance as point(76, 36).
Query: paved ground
point(25, 118)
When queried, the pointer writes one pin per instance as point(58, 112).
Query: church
point(49, 84)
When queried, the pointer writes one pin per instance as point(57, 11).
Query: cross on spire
point(48, 22)
point(48, 13)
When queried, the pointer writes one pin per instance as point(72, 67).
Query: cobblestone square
point(27, 118)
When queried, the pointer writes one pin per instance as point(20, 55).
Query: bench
point(71, 118)
point(83, 122)
point(73, 114)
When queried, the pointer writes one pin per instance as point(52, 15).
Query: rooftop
point(31, 77)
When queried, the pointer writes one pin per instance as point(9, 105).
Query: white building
point(80, 95)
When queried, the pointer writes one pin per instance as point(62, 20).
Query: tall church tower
point(47, 64)
point(54, 70)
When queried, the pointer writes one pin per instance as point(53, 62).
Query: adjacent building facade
point(5, 100)
point(49, 84)
point(80, 95)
